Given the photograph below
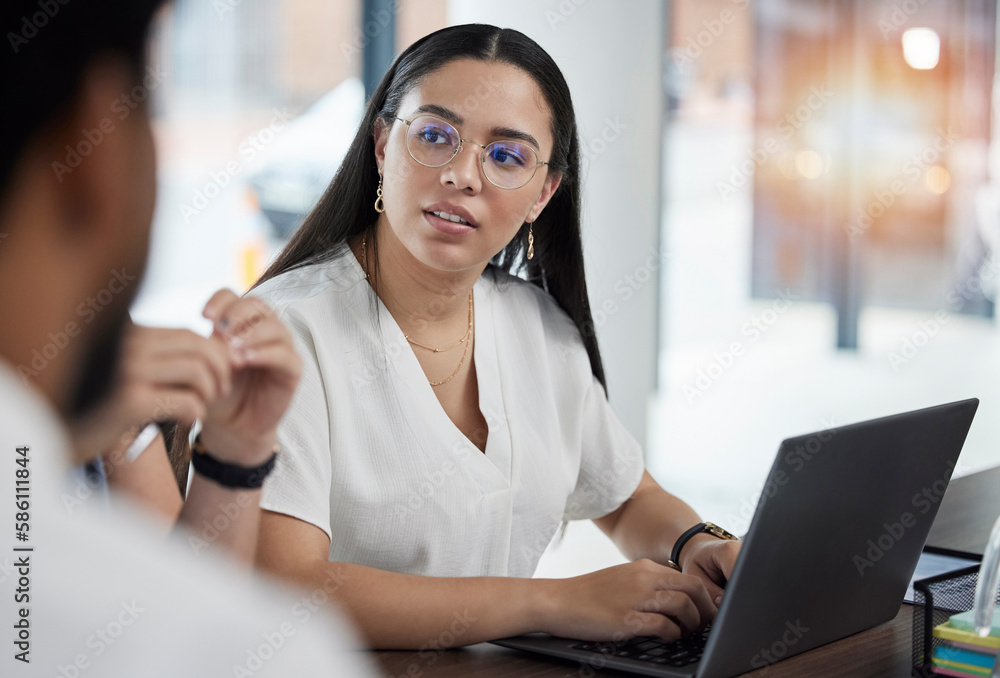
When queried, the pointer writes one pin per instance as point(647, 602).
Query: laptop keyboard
point(651, 649)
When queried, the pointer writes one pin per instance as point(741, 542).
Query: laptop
point(834, 541)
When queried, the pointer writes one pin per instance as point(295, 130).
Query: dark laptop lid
point(836, 535)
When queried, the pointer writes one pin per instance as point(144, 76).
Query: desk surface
point(963, 522)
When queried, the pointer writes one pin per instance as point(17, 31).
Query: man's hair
point(46, 46)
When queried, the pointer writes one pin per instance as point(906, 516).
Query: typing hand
point(641, 598)
point(712, 560)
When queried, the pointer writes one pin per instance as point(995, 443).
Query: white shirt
point(371, 458)
point(103, 598)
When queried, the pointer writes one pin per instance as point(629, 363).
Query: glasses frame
point(461, 142)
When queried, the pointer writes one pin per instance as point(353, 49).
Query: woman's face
point(485, 102)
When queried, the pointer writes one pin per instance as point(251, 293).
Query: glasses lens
point(509, 164)
point(431, 142)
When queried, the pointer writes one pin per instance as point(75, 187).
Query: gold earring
point(379, 204)
point(531, 242)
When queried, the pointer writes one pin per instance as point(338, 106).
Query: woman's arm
point(240, 425)
point(400, 611)
point(218, 517)
point(651, 520)
point(224, 517)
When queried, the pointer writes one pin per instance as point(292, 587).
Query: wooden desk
point(963, 522)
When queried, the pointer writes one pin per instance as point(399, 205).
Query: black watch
point(230, 475)
point(710, 528)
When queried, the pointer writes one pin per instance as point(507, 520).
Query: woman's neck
point(429, 305)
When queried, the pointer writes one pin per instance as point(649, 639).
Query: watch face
point(712, 528)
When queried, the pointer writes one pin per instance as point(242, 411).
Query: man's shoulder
point(112, 588)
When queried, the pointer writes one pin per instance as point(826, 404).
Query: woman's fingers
point(656, 624)
point(237, 319)
point(693, 589)
point(675, 606)
point(267, 331)
point(279, 357)
point(713, 562)
point(682, 599)
point(638, 598)
point(252, 330)
point(215, 308)
point(245, 321)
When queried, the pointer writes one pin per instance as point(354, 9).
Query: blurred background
point(792, 211)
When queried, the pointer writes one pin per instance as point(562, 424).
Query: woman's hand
point(710, 559)
point(641, 598)
point(241, 426)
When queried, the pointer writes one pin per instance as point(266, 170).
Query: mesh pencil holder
point(936, 599)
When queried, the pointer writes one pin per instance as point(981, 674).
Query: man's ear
point(552, 182)
point(103, 164)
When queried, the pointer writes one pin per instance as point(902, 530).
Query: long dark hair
point(346, 208)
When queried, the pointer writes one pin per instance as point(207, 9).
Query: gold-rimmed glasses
point(433, 142)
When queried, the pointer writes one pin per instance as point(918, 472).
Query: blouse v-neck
point(425, 404)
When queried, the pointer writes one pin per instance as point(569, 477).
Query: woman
point(450, 415)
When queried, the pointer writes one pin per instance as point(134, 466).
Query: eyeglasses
point(432, 142)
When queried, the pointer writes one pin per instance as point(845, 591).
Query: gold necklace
point(468, 329)
point(460, 362)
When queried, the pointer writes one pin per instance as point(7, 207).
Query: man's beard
point(98, 374)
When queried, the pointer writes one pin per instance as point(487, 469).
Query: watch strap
point(230, 475)
point(710, 528)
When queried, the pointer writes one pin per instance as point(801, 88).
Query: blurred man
point(82, 596)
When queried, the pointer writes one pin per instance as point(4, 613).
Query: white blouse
point(370, 457)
